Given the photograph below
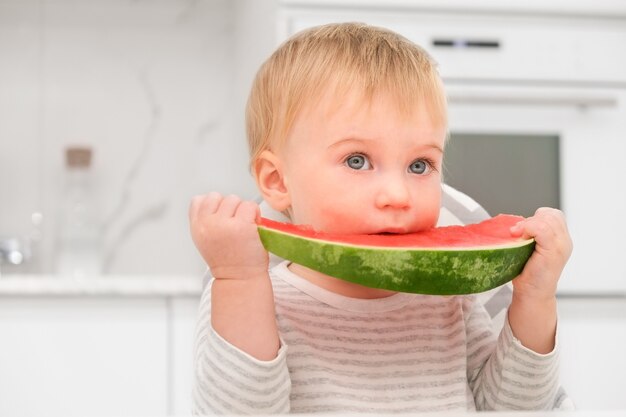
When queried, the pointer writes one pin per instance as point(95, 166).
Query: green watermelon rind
point(438, 271)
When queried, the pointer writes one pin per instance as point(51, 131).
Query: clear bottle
point(79, 245)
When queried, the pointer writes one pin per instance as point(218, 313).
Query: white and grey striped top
point(403, 353)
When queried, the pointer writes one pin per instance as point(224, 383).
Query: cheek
point(340, 218)
point(327, 206)
point(429, 206)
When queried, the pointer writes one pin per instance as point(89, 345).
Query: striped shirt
point(402, 353)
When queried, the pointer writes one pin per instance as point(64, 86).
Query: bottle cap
point(78, 157)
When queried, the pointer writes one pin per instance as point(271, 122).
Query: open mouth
point(391, 232)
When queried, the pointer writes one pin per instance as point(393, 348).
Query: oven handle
point(521, 100)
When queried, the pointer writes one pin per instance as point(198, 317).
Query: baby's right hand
point(225, 233)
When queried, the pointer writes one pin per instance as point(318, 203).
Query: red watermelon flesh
point(491, 232)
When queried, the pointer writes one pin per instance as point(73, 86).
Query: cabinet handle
point(554, 101)
point(465, 43)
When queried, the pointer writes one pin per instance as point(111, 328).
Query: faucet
point(17, 251)
point(14, 251)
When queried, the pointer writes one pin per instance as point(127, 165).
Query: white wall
point(155, 87)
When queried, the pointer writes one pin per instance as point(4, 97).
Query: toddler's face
point(361, 167)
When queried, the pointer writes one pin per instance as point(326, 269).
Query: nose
point(393, 192)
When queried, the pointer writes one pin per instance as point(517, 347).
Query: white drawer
point(497, 47)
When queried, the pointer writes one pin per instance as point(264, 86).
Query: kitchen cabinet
point(125, 347)
point(77, 357)
point(512, 46)
point(592, 335)
point(114, 347)
point(611, 8)
point(183, 315)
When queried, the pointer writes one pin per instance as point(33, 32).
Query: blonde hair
point(348, 57)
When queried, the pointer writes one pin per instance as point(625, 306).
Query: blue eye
point(419, 166)
point(358, 162)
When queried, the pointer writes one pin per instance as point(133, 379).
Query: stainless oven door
point(518, 148)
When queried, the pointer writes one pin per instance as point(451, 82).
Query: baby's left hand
point(553, 248)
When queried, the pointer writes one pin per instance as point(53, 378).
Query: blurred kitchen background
point(113, 114)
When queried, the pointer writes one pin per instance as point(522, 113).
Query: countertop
point(107, 285)
point(577, 413)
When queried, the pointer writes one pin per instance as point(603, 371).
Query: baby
point(346, 126)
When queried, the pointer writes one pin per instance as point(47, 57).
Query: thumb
point(248, 211)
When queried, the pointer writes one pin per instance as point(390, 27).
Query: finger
point(248, 211)
point(208, 204)
point(550, 214)
point(228, 206)
point(558, 221)
point(194, 206)
point(204, 204)
point(518, 229)
point(555, 218)
point(542, 231)
point(212, 202)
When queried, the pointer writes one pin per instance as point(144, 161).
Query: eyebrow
point(364, 139)
point(435, 147)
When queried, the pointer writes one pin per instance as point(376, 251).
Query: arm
point(240, 367)
point(227, 380)
point(532, 313)
point(242, 309)
point(522, 371)
point(502, 373)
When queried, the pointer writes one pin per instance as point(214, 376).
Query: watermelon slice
point(441, 261)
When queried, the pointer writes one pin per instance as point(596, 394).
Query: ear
point(269, 175)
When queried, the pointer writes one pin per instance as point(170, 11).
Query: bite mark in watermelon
point(446, 260)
